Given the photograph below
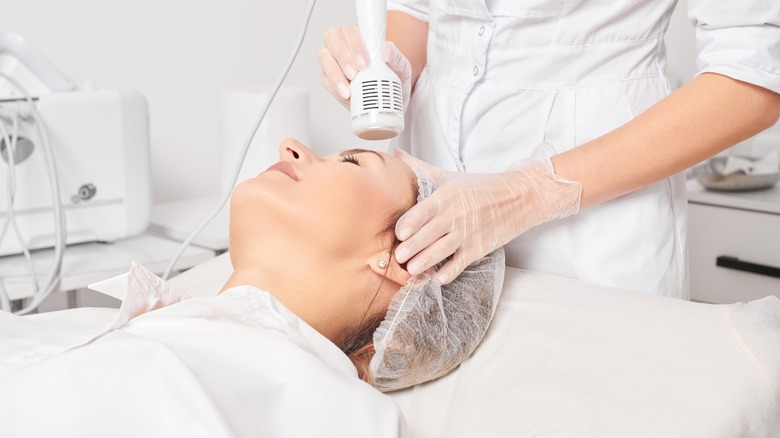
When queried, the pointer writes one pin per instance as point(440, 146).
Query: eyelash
point(350, 159)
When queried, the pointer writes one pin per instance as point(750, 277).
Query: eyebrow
point(361, 151)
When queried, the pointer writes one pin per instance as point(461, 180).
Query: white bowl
point(708, 176)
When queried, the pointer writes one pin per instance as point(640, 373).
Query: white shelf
point(91, 262)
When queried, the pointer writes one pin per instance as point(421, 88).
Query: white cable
point(12, 184)
point(248, 142)
point(60, 223)
point(60, 229)
point(7, 142)
point(11, 217)
point(5, 301)
point(5, 113)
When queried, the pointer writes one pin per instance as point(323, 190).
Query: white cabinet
point(733, 244)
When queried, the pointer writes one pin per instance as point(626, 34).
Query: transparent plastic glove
point(345, 54)
point(471, 215)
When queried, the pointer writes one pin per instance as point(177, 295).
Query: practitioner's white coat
point(236, 365)
point(503, 76)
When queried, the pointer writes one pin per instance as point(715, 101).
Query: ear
point(392, 269)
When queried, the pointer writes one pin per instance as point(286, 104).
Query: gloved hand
point(345, 54)
point(470, 215)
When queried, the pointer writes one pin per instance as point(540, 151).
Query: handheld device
point(377, 105)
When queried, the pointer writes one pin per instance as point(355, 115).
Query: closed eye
point(350, 159)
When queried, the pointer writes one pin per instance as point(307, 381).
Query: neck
point(297, 301)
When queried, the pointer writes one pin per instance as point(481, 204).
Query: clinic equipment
point(92, 145)
point(430, 329)
point(376, 104)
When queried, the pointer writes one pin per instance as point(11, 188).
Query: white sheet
point(165, 364)
point(564, 358)
point(568, 359)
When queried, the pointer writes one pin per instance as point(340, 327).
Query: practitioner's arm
point(701, 119)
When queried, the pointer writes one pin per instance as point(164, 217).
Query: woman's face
point(320, 222)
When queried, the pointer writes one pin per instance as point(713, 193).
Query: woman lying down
point(315, 313)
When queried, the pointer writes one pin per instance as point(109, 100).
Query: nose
point(296, 152)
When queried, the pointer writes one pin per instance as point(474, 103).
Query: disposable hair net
point(429, 328)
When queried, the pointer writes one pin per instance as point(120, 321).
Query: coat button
point(481, 30)
point(476, 70)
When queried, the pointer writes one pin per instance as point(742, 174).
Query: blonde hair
point(360, 349)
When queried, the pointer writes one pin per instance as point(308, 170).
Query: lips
point(285, 168)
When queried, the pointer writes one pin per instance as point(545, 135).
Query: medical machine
point(377, 104)
point(99, 141)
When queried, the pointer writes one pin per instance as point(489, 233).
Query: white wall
point(180, 54)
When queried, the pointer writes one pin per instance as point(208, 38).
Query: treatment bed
point(564, 358)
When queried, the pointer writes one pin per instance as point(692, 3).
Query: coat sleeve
point(416, 8)
point(739, 39)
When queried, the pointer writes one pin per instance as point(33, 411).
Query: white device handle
point(372, 22)
point(376, 102)
point(16, 46)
